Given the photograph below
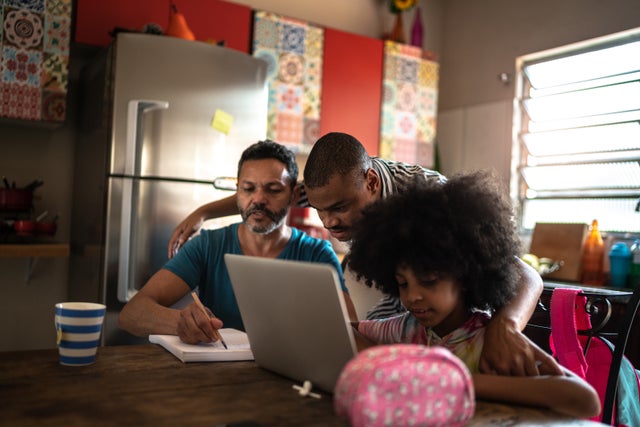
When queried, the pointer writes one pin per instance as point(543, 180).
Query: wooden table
point(143, 385)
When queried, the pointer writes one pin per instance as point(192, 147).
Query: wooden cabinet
point(208, 19)
point(352, 87)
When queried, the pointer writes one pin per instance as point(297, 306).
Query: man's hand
point(507, 351)
point(195, 327)
point(183, 231)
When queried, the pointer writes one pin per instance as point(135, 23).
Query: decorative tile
point(293, 49)
point(23, 28)
point(314, 43)
point(266, 31)
point(291, 68)
point(388, 123)
point(54, 106)
point(289, 99)
point(426, 129)
point(21, 66)
point(292, 38)
point(57, 34)
point(34, 5)
point(289, 129)
point(311, 103)
point(386, 147)
point(427, 100)
point(34, 58)
point(405, 125)
point(390, 67)
point(406, 99)
point(409, 102)
point(404, 150)
point(272, 121)
point(407, 70)
point(313, 72)
point(425, 153)
point(311, 131)
point(389, 91)
point(20, 101)
point(409, 50)
point(54, 72)
point(58, 7)
point(428, 74)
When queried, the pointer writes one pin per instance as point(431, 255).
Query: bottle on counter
point(593, 257)
point(634, 271)
point(620, 261)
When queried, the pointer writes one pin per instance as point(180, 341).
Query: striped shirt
point(466, 342)
point(395, 177)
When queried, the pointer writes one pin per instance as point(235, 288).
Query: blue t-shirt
point(200, 263)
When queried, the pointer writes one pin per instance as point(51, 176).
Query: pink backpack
point(405, 385)
point(568, 316)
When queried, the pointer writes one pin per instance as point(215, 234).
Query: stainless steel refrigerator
point(163, 123)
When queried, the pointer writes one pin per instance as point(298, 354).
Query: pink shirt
point(465, 342)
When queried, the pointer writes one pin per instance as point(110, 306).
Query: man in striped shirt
point(340, 179)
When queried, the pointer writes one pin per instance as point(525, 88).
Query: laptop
point(295, 317)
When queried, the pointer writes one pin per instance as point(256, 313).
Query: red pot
point(46, 228)
point(25, 227)
point(15, 199)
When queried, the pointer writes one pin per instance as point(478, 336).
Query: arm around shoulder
point(566, 394)
point(507, 350)
point(524, 303)
point(193, 222)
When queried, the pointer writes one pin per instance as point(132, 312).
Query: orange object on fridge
point(178, 25)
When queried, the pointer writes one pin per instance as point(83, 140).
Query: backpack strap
point(564, 331)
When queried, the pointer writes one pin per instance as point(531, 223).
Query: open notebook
point(295, 315)
point(237, 343)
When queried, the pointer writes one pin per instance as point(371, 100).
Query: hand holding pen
point(210, 315)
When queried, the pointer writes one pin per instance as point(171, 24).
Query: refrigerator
point(162, 124)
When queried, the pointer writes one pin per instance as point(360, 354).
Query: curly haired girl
point(450, 252)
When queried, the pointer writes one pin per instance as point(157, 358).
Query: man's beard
point(277, 218)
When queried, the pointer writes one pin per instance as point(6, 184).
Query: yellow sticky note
point(222, 121)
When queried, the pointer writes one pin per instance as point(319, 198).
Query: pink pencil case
point(405, 385)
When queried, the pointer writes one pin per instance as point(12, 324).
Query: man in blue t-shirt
point(267, 185)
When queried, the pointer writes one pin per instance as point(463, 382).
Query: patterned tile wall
point(409, 105)
point(34, 58)
point(293, 49)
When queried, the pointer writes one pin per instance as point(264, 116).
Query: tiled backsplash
point(34, 59)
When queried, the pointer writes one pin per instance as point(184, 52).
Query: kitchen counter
point(144, 385)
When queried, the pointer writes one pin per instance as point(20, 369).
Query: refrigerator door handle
point(135, 126)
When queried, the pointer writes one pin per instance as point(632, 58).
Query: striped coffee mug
point(78, 327)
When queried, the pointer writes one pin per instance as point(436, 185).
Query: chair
point(621, 345)
point(599, 307)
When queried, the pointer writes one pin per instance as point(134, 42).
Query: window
point(576, 149)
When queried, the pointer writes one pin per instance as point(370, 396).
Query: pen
point(204, 310)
